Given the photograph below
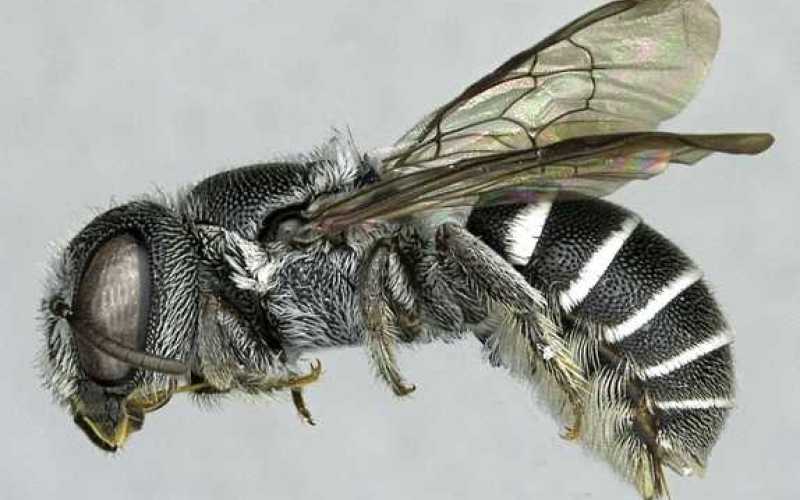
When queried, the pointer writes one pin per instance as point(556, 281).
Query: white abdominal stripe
point(656, 303)
point(686, 357)
point(695, 404)
point(525, 230)
point(593, 269)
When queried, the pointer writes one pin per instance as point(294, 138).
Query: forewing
point(623, 67)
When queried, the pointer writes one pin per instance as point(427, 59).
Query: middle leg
point(383, 325)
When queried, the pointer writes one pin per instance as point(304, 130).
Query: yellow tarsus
point(300, 406)
point(303, 380)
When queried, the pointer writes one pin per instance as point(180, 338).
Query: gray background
point(100, 101)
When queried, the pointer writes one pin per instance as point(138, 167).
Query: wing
point(623, 67)
point(575, 113)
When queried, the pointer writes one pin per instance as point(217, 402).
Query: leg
point(259, 383)
point(294, 382)
point(527, 336)
point(382, 324)
point(300, 406)
point(150, 402)
point(297, 397)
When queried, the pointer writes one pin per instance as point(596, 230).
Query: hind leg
point(527, 336)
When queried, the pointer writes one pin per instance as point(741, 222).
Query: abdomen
point(639, 319)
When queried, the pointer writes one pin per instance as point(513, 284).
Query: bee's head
point(119, 315)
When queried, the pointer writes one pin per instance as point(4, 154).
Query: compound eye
point(113, 301)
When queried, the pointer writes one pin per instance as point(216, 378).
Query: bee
point(485, 220)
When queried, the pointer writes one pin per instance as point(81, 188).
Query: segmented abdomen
point(644, 304)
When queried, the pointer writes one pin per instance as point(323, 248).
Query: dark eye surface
point(113, 301)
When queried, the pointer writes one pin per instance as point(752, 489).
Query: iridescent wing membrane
point(576, 112)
